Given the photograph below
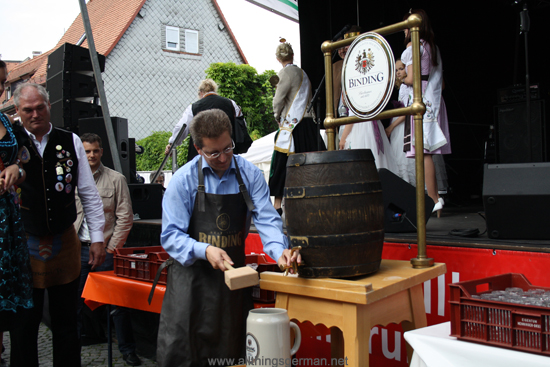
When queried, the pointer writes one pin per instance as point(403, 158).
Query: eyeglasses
point(216, 155)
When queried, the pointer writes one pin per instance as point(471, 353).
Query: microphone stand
point(524, 28)
point(524, 25)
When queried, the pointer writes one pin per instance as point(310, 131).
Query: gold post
point(421, 261)
point(331, 131)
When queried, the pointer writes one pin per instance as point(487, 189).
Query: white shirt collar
point(40, 145)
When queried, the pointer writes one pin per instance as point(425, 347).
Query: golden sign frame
point(390, 82)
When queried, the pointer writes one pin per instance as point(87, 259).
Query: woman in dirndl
point(436, 139)
point(16, 287)
point(297, 132)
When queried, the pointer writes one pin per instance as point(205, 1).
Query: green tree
point(242, 83)
point(153, 154)
point(251, 91)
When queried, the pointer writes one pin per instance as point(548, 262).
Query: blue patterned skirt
point(16, 284)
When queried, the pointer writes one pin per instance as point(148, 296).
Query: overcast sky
point(37, 25)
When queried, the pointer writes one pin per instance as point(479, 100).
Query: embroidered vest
point(47, 194)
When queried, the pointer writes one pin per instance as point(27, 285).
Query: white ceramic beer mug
point(268, 337)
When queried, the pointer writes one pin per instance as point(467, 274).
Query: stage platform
point(438, 232)
point(147, 232)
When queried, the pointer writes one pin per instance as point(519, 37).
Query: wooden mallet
point(241, 277)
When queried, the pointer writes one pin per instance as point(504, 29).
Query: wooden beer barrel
point(334, 210)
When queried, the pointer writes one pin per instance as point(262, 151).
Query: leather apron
point(201, 318)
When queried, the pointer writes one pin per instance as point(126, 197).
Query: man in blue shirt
point(207, 211)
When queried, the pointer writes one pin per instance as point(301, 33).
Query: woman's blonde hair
point(284, 52)
point(207, 86)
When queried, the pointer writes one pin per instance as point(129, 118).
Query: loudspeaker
point(120, 126)
point(71, 86)
point(400, 203)
point(516, 198)
point(69, 58)
point(65, 114)
point(147, 200)
point(513, 138)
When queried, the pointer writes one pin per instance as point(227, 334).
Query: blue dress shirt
point(179, 200)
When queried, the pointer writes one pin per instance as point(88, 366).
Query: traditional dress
point(435, 123)
point(15, 270)
point(405, 168)
point(371, 135)
point(298, 132)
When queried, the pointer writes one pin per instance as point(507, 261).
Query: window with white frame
point(172, 38)
point(191, 41)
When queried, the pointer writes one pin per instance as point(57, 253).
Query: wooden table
point(352, 307)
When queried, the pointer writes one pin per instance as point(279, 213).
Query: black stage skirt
point(306, 139)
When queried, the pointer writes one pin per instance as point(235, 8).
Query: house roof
point(10, 64)
point(28, 68)
point(109, 20)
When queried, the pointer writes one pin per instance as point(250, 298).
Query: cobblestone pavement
point(91, 356)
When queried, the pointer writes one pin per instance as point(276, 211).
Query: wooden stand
point(352, 307)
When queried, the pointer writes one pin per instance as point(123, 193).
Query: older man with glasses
point(207, 211)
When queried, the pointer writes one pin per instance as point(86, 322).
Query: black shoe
point(131, 359)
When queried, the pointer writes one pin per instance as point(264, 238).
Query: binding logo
point(364, 61)
point(223, 222)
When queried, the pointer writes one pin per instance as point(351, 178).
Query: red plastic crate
point(514, 326)
point(140, 263)
point(258, 294)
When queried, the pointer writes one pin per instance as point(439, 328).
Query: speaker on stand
point(71, 85)
point(96, 125)
point(516, 198)
point(399, 199)
point(147, 200)
point(519, 141)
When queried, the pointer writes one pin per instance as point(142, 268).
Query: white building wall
point(150, 86)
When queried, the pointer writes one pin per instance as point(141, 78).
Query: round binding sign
point(368, 75)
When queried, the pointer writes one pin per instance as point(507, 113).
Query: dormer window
point(191, 41)
point(172, 38)
point(181, 41)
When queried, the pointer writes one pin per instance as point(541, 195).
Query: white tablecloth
point(433, 347)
